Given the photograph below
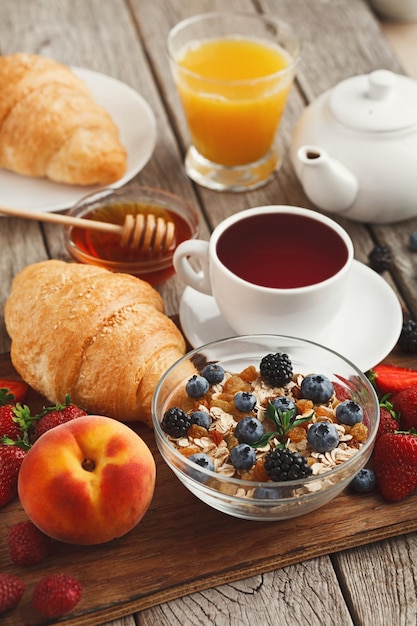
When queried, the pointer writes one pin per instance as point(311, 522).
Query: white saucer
point(137, 126)
point(365, 331)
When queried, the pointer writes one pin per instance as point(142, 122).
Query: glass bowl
point(279, 500)
point(105, 249)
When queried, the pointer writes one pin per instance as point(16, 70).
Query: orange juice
point(233, 92)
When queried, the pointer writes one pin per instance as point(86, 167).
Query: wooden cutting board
point(182, 545)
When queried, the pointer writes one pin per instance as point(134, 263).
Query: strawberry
point(11, 458)
point(27, 544)
point(388, 418)
point(56, 594)
point(341, 392)
point(15, 422)
point(392, 378)
point(55, 415)
point(17, 389)
point(395, 464)
point(405, 403)
point(11, 591)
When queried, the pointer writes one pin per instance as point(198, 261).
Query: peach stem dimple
point(88, 465)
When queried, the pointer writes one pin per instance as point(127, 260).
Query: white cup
point(272, 269)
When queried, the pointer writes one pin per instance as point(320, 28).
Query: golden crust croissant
point(51, 126)
point(99, 336)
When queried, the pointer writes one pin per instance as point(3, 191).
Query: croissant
point(99, 336)
point(51, 126)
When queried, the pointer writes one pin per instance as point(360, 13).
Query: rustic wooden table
point(372, 584)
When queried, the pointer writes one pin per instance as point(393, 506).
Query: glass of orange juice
point(233, 72)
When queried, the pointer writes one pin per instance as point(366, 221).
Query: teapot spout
point(327, 182)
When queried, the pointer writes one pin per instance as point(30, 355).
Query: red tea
point(282, 250)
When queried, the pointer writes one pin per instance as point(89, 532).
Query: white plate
point(137, 126)
point(365, 331)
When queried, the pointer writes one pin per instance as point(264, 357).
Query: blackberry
point(408, 336)
point(276, 369)
point(380, 259)
point(281, 464)
point(176, 422)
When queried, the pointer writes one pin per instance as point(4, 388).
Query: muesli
point(265, 424)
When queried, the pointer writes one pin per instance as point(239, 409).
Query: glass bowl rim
point(99, 196)
point(185, 462)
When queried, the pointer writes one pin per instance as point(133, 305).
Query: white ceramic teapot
point(355, 148)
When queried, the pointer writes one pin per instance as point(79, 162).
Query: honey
point(105, 249)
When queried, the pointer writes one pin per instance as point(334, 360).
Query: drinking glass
point(233, 72)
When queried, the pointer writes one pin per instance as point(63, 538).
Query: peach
point(87, 481)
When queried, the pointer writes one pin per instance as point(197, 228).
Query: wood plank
point(275, 599)
point(393, 564)
point(183, 546)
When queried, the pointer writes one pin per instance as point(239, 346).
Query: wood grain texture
point(183, 546)
point(126, 39)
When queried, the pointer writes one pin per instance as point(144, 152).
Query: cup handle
point(198, 250)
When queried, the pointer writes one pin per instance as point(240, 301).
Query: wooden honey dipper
point(143, 232)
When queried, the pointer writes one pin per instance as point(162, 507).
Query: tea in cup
point(272, 269)
point(233, 72)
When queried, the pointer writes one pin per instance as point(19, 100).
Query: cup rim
point(294, 58)
point(293, 210)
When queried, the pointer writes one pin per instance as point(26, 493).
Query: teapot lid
point(380, 101)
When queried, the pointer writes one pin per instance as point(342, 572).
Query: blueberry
point(364, 481)
point(242, 456)
point(317, 388)
point(201, 418)
point(244, 401)
point(268, 493)
point(249, 430)
point(323, 436)
point(214, 373)
point(413, 241)
point(197, 386)
point(202, 460)
point(349, 412)
point(284, 403)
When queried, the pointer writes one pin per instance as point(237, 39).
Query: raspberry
point(27, 544)
point(176, 422)
point(281, 465)
point(276, 369)
point(11, 591)
point(56, 594)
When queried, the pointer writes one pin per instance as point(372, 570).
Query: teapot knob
point(381, 83)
